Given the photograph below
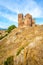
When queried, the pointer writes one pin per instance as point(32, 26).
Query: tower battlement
point(25, 20)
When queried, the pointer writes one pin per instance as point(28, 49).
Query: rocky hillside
point(23, 46)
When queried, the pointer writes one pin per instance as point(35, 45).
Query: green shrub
point(9, 61)
point(1, 37)
point(5, 63)
point(11, 28)
point(19, 50)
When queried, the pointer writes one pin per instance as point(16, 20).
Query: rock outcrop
point(23, 46)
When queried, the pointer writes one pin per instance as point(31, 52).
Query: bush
point(5, 63)
point(11, 28)
point(9, 61)
point(1, 37)
point(19, 50)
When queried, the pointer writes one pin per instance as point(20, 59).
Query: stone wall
point(20, 19)
point(25, 20)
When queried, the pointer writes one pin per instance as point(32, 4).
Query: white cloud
point(27, 6)
point(9, 17)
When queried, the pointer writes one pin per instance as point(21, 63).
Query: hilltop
point(24, 45)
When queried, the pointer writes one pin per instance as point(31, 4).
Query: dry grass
point(25, 44)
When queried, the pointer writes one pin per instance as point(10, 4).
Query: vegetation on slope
point(19, 50)
point(9, 61)
point(10, 28)
point(25, 44)
point(1, 37)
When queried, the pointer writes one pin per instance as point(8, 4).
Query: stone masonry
point(25, 20)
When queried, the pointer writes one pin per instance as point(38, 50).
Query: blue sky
point(9, 10)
